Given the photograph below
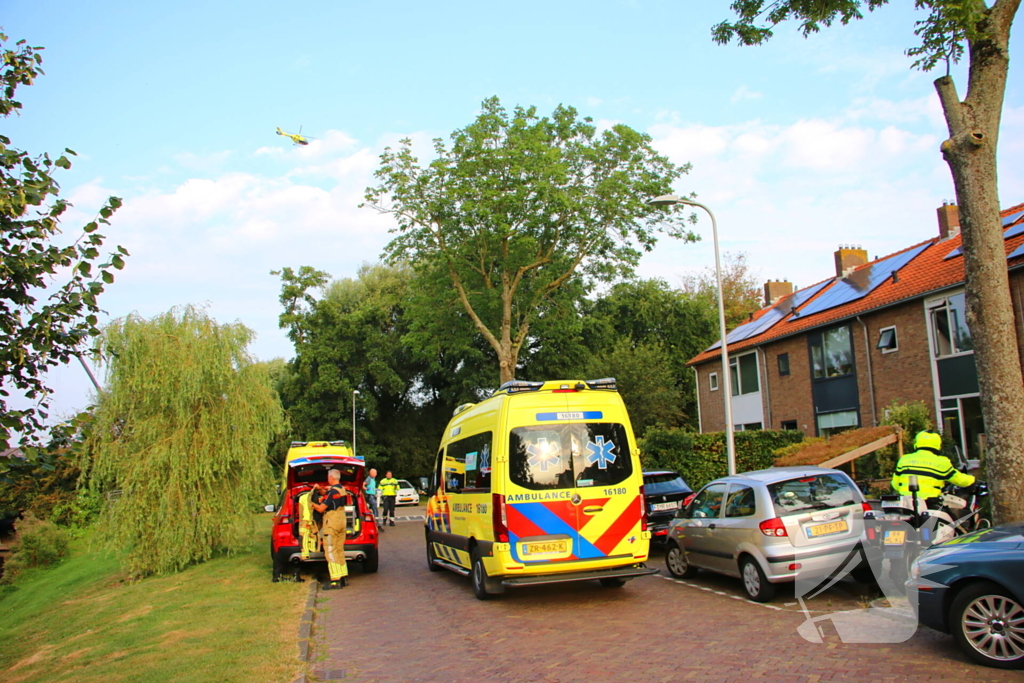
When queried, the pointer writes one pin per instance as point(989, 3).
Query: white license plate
point(656, 507)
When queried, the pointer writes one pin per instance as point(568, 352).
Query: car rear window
point(311, 474)
point(561, 456)
point(670, 482)
point(403, 484)
point(814, 492)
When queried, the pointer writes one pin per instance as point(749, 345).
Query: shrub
point(699, 458)
point(912, 417)
point(39, 543)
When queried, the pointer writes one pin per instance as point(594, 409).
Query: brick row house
point(832, 356)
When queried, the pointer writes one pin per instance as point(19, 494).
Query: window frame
point(895, 346)
point(713, 383)
point(736, 373)
point(943, 305)
point(783, 359)
point(820, 350)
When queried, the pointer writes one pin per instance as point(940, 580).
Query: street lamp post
point(726, 383)
point(355, 392)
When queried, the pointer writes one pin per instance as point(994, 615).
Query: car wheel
point(612, 582)
point(988, 624)
point(675, 560)
point(480, 578)
point(754, 582)
point(431, 556)
point(371, 562)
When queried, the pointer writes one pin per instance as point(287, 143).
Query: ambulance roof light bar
point(317, 444)
point(606, 383)
point(517, 386)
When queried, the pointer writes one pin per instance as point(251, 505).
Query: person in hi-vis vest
point(332, 505)
point(388, 493)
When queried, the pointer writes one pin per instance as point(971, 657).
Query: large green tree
point(181, 434)
point(48, 290)
point(518, 207)
point(949, 30)
point(666, 327)
point(354, 334)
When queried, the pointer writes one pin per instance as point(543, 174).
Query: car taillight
point(284, 520)
point(866, 507)
point(773, 527)
point(499, 520)
point(643, 510)
point(368, 517)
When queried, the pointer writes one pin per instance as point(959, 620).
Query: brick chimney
point(949, 221)
point(774, 290)
point(849, 257)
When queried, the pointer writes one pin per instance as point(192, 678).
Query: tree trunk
point(970, 153)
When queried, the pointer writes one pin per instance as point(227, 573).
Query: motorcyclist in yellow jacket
point(931, 469)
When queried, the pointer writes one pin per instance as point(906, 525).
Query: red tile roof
point(929, 271)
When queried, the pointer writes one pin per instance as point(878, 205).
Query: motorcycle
point(907, 525)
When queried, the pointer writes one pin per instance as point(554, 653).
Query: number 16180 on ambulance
point(540, 483)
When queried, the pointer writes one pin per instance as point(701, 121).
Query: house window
point(748, 427)
point(833, 423)
point(713, 381)
point(744, 374)
point(788, 424)
point(783, 364)
point(887, 340)
point(832, 354)
point(949, 324)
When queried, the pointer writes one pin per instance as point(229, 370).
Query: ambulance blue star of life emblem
point(600, 453)
point(541, 455)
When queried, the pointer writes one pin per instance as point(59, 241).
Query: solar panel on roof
point(1019, 251)
point(1012, 231)
point(1015, 230)
point(1012, 218)
point(861, 282)
point(783, 308)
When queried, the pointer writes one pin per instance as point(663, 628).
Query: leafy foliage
point(48, 293)
point(741, 289)
point(670, 325)
point(520, 206)
point(40, 543)
point(700, 458)
point(356, 335)
point(181, 433)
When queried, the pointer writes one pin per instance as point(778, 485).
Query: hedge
point(699, 458)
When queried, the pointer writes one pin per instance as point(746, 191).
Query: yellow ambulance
point(540, 483)
point(305, 449)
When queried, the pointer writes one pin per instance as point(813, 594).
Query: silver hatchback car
point(768, 527)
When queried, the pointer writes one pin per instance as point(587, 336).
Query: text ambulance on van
point(541, 483)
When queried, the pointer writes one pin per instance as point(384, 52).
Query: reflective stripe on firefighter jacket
point(932, 472)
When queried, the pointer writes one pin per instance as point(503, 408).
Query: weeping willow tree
point(181, 431)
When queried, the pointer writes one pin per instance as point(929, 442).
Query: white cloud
point(778, 192)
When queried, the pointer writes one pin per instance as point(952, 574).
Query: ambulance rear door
point(571, 493)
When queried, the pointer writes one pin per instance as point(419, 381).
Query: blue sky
point(798, 145)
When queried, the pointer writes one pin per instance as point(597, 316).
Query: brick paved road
point(406, 624)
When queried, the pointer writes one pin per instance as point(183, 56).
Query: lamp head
point(667, 200)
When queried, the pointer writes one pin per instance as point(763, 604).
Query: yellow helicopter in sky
point(297, 138)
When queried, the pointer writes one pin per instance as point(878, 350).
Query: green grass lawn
point(219, 621)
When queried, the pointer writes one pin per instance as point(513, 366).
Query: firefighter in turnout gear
point(931, 469)
point(332, 505)
point(388, 493)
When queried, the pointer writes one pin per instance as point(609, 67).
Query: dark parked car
point(664, 493)
point(973, 587)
